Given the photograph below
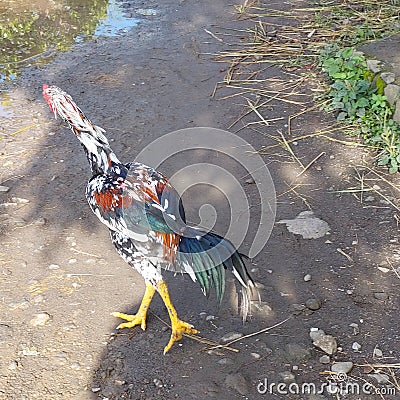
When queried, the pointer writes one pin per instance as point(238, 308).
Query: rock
point(238, 382)
point(297, 309)
point(396, 115)
point(54, 266)
point(374, 66)
point(343, 367)
point(287, 377)
point(297, 352)
point(228, 337)
point(250, 181)
point(380, 378)
point(356, 329)
point(325, 359)
point(356, 346)
point(378, 353)
point(381, 296)
point(313, 304)
point(119, 382)
point(326, 343)
point(4, 189)
point(316, 333)
point(307, 278)
point(306, 225)
point(40, 319)
point(255, 355)
point(13, 365)
point(158, 383)
point(392, 93)
point(388, 77)
point(19, 200)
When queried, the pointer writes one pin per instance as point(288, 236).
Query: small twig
point(309, 164)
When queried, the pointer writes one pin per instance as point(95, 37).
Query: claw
point(133, 320)
point(178, 329)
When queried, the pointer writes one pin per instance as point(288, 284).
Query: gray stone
point(388, 77)
point(307, 278)
point(356, 346)
point(374, 66)
point(326, 343)
point(4, 189)
point(313, 304)
point(381, 296)
point(396, 115)
point(40, 319)
point(316, 333)
point(325, 359)
point(287, 377)
point(343, 367)
point(378, 353)
point(380, 378)
point(228, 337)
point(392, 93)
point(238, 382)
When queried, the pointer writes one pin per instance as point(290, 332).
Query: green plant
point(357, 98)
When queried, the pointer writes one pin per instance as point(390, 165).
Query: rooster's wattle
point(146, 219)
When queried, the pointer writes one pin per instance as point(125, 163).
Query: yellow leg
point(178, 327)
point(140, 317)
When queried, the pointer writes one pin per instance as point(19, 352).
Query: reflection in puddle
point(33, 31)
point(117, 21)
point(5, 104)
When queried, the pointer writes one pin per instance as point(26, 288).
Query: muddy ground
point(56, 257)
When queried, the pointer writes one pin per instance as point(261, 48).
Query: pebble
point(297, 308)
point(343, 367)
point(157, 383)
point(250, 181)
point(356, 329)
point(13, 365)
point(313, 304)
point(237, 382)
point(255, 355)
point(356, 346)
point(40, 319)
point(378, 352)
point(60, 358)
point(54, 266)
point(326, 343)
point(19, 200)
point(287, 377)
point(307, 278)
point(325, 359)
point(4, 189)
point(380, 378)
point(119, 382)
point(381, 296)
point(228, 337)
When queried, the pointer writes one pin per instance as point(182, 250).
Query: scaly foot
point(178, 329)
point(133, 320)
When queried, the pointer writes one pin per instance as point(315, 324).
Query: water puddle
point(5, 106)
point(32, 32)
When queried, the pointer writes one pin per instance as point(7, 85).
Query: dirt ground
point(56, 257)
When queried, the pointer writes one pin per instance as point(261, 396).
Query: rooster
point(147, 224)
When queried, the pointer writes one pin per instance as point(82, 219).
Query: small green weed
point(357, 98)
